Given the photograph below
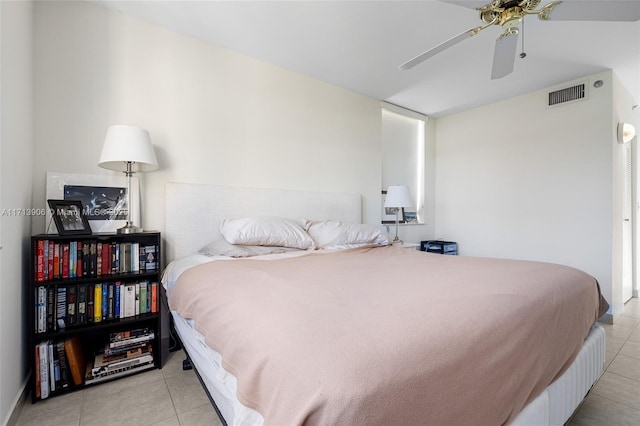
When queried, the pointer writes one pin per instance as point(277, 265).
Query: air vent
point(574, 93)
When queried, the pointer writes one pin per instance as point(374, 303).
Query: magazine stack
point(126, 353)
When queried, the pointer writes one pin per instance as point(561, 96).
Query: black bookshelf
point(70, 271)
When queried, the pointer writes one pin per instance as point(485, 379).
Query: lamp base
point(129, 228)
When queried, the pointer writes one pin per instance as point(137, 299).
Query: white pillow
point(266, 231)
point(333, 234)
point(222, 248)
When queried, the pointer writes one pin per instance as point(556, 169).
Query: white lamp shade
point(128, 144)
point(626, 132)
point(398, 196)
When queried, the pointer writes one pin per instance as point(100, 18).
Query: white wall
point(214, 116)
point(622, 111)
point(517, 179)
point(16, 153)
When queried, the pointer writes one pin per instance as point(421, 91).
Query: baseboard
point(18, 403)
point(610, 318)
point(606, 319)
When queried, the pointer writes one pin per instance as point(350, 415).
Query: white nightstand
point(414, 246)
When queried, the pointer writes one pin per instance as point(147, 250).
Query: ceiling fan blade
point(591, 11)
point(504, 54)
point(439, 48)
point(469, 4)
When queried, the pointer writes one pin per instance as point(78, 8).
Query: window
point(403, 152)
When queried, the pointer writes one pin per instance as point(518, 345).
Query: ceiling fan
point(509, 14)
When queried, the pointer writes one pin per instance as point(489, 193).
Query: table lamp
point(128, 149)
point(397, 197)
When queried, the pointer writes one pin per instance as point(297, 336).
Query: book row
point(125, 353)
point(58, 365)
point(91, 258)
point(58, 307)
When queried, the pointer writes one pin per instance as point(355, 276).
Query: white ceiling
point(359, 45)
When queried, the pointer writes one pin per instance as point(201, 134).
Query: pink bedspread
point(389, 336)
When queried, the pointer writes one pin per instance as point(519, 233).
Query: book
point(45, 260)
point(115, 258)
point(109, 352)
point(102, 367)
point(132, 340)
point(116, 299)
point(41, 318)
point(90, 305)
point(56, 261)
point(51, 309)
point(61, 307)
point(65, 260)
point(92, 258)
point(82, 304)
point(75, 357)
point(123, 371)
point(44, 369)
point(71, 305)
point(72, 259)
point(39, 261)
point(105, 358)
point(36, 371)
point(52, 375)
point(137, 304)
point(143, 297)
point(85, 259)
point(79, 259)
point(135, 257)
point(105, 301)
point(126, 264)
point(154, 297)
point(151, 263)
point(106, 259)
point(111, 301)
point(129, 334)
point(99, 258)
point(129, 300)
point(121, 299)
point(65, 380)
point(97, 302)
point(50, 260)
point(56, 366)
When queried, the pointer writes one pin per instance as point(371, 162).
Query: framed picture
point(69, 217)
point(104, 198)
point(389, 213)
point(410, 217)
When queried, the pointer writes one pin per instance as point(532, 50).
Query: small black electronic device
point(439, 246)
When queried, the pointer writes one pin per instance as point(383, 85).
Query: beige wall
point(16, 154)
point(214, 116)
point(517, 179)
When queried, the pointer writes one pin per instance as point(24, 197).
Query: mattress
point(554, 406)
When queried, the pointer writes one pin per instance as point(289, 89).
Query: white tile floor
point(167, 397)
point(615, 398)
point(173, 397)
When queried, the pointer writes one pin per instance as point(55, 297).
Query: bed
point(376, 335)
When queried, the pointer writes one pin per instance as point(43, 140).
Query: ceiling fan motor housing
point(510, 18)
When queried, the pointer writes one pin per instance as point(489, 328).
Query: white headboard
point(193, 211)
